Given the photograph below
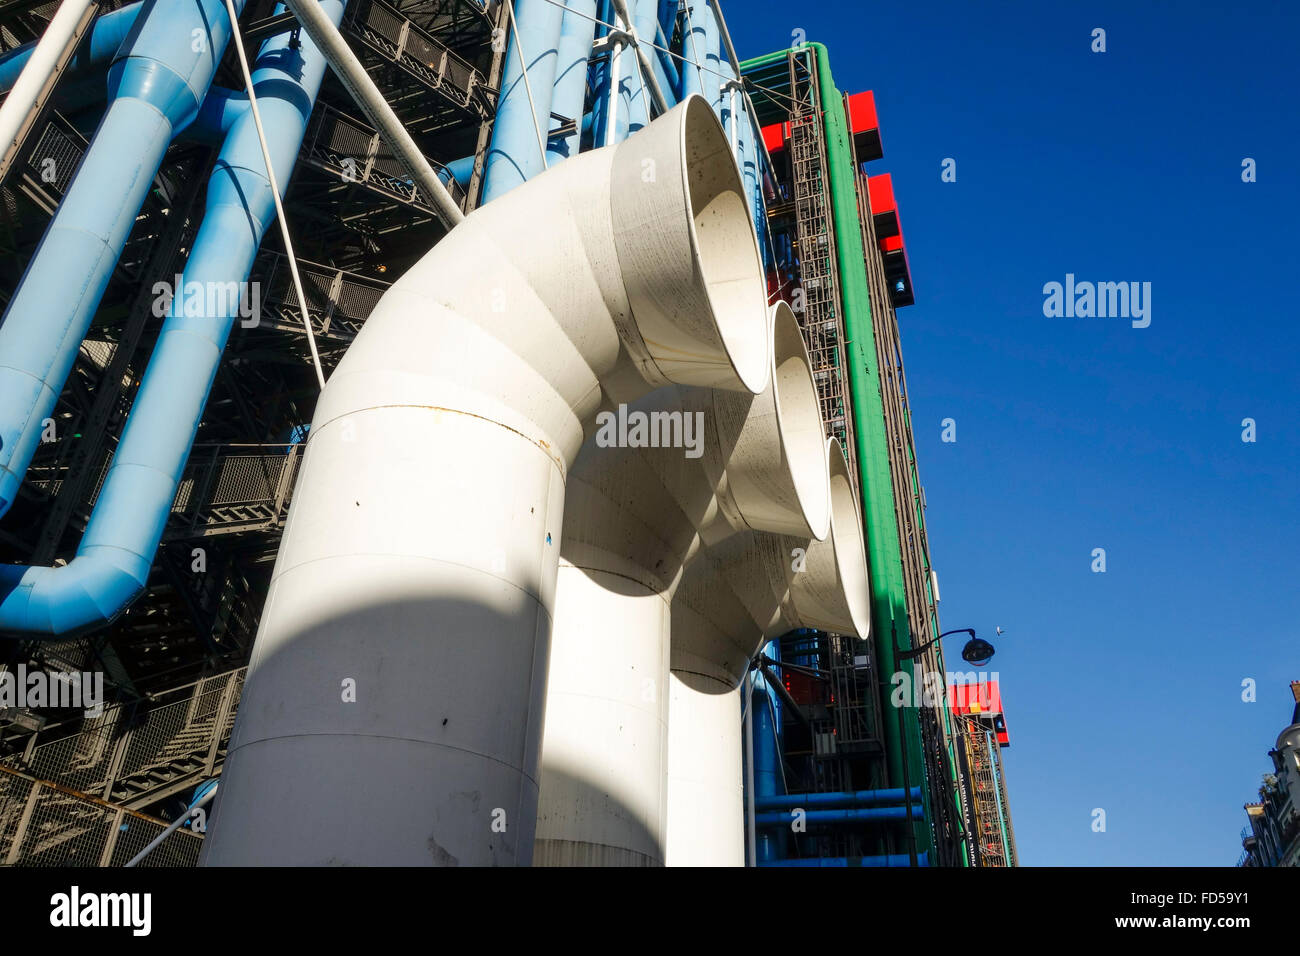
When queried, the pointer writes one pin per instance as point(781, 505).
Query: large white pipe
point(737, 595)
point(394, 699)
point(36, 81)
point(633, 517)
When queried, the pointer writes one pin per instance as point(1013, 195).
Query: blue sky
point(1124, 689)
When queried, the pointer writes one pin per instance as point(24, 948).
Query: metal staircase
point(69, 798)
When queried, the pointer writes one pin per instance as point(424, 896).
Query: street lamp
point(977, 652)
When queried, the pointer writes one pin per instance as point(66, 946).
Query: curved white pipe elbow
point(395, 692)
point(633, 518)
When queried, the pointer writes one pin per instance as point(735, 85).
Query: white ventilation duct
point(633, 518)
point(392, 712)
point(738, 595)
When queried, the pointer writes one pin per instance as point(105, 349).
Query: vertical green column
point(884, 553)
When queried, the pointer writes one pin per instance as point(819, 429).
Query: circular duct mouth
point(722, 234)
point(799, 418)
point(846, 536)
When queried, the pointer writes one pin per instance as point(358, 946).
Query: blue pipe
point(892, 859)
point(155, 88)
point(694, 49)
point(782, 818)
point(631, 108)
point(599, 80)
point(645, 20)
point(768, 779)
point(577, 32)
point(666, 70)
point(106, 36)
point(514, 156)
point(112, 564)
point(712, 61)
point(859, 798)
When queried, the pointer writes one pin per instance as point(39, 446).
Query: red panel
point(862, 112)
point(882, 194)
point(892, 243)
point(985, 694)
point(774, 136)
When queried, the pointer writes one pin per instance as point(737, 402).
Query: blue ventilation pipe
point(858, 798)
point(769, 782)
point(645, 21)
point(712, 61)
point(514, 156)
point(893, 859)
point(155, 88)
point(112, 564)
point(694, 49)
point(782, 818)
point(569, 97)
point(107, 34)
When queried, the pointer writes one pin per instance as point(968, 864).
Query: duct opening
point(850, 547)
point(723, 238)
point(796, 391)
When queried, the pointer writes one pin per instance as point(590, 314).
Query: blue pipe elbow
point(155, 85)
point(113, 562)
point(107, 34)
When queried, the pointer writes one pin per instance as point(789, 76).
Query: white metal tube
point(367, 95)
point(396, 688)
point(705, 806)
point(41, 66)
point(633, 518)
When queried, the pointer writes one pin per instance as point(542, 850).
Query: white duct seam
point(736, 596)
point(394, 698)
point(634, 517)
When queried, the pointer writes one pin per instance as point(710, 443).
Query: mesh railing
point(42, 825)
point(56, 157)
point(348, 147)
point(390, 33)
point(134, 749)
point(337, 301)
point(226, 488)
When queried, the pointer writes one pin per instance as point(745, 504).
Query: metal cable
point(275, 189)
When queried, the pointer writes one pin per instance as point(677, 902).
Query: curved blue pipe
point(858, 798)
point(577, 32)
point(514, 156)
point(106, 36)
point(112, 564)
point(892, 859)
point(155, 88)
point(782, 818)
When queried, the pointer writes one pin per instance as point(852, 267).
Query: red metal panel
point(862, 112)
point(774, 136)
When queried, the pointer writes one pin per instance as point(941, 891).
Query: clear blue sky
point(1123, 689)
